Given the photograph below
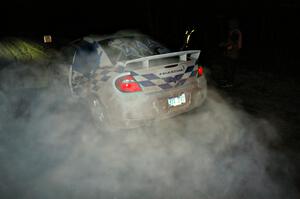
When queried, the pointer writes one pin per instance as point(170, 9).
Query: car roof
point(120, 34)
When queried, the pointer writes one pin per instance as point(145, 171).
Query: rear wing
point(194, 54)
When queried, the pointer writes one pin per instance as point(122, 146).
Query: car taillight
point(200, 70)
point(127, 84)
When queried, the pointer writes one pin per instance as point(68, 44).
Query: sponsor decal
point(181, 69)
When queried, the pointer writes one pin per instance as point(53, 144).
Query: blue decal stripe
point(165, 86)
point(189, 69)
point(146, 83)
point(133, 73)
point(150, 76)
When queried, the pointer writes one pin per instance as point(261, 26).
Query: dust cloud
point(51, 149)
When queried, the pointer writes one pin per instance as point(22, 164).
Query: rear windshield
point(128, 48)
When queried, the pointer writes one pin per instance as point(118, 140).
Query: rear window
point(128, 48)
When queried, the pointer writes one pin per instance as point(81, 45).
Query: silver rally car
point(130, 80)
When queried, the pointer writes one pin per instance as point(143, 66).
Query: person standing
point(231, 52)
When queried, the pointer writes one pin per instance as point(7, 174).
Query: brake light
point(127, 84)
point(200, 70)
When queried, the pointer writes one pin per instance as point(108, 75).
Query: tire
point(98, 113)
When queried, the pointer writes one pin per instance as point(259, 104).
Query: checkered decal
point(150, 81)
point(96, 79)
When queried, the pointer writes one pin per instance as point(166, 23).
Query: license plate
point(176, 101)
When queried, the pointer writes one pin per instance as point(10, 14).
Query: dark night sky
point(104, 16)
point(266, 26)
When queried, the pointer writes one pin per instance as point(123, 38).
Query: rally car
point(129, 79)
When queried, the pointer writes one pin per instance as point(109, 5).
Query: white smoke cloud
point(215, 151)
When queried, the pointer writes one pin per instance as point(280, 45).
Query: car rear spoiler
point(145, 60)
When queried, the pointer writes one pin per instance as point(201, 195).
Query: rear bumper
point(141, 109)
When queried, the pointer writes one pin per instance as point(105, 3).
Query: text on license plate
point(175, 101)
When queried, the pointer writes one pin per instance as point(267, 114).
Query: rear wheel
point(97, 109)
point(98, 113)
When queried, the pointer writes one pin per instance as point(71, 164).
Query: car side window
point(87, 58)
